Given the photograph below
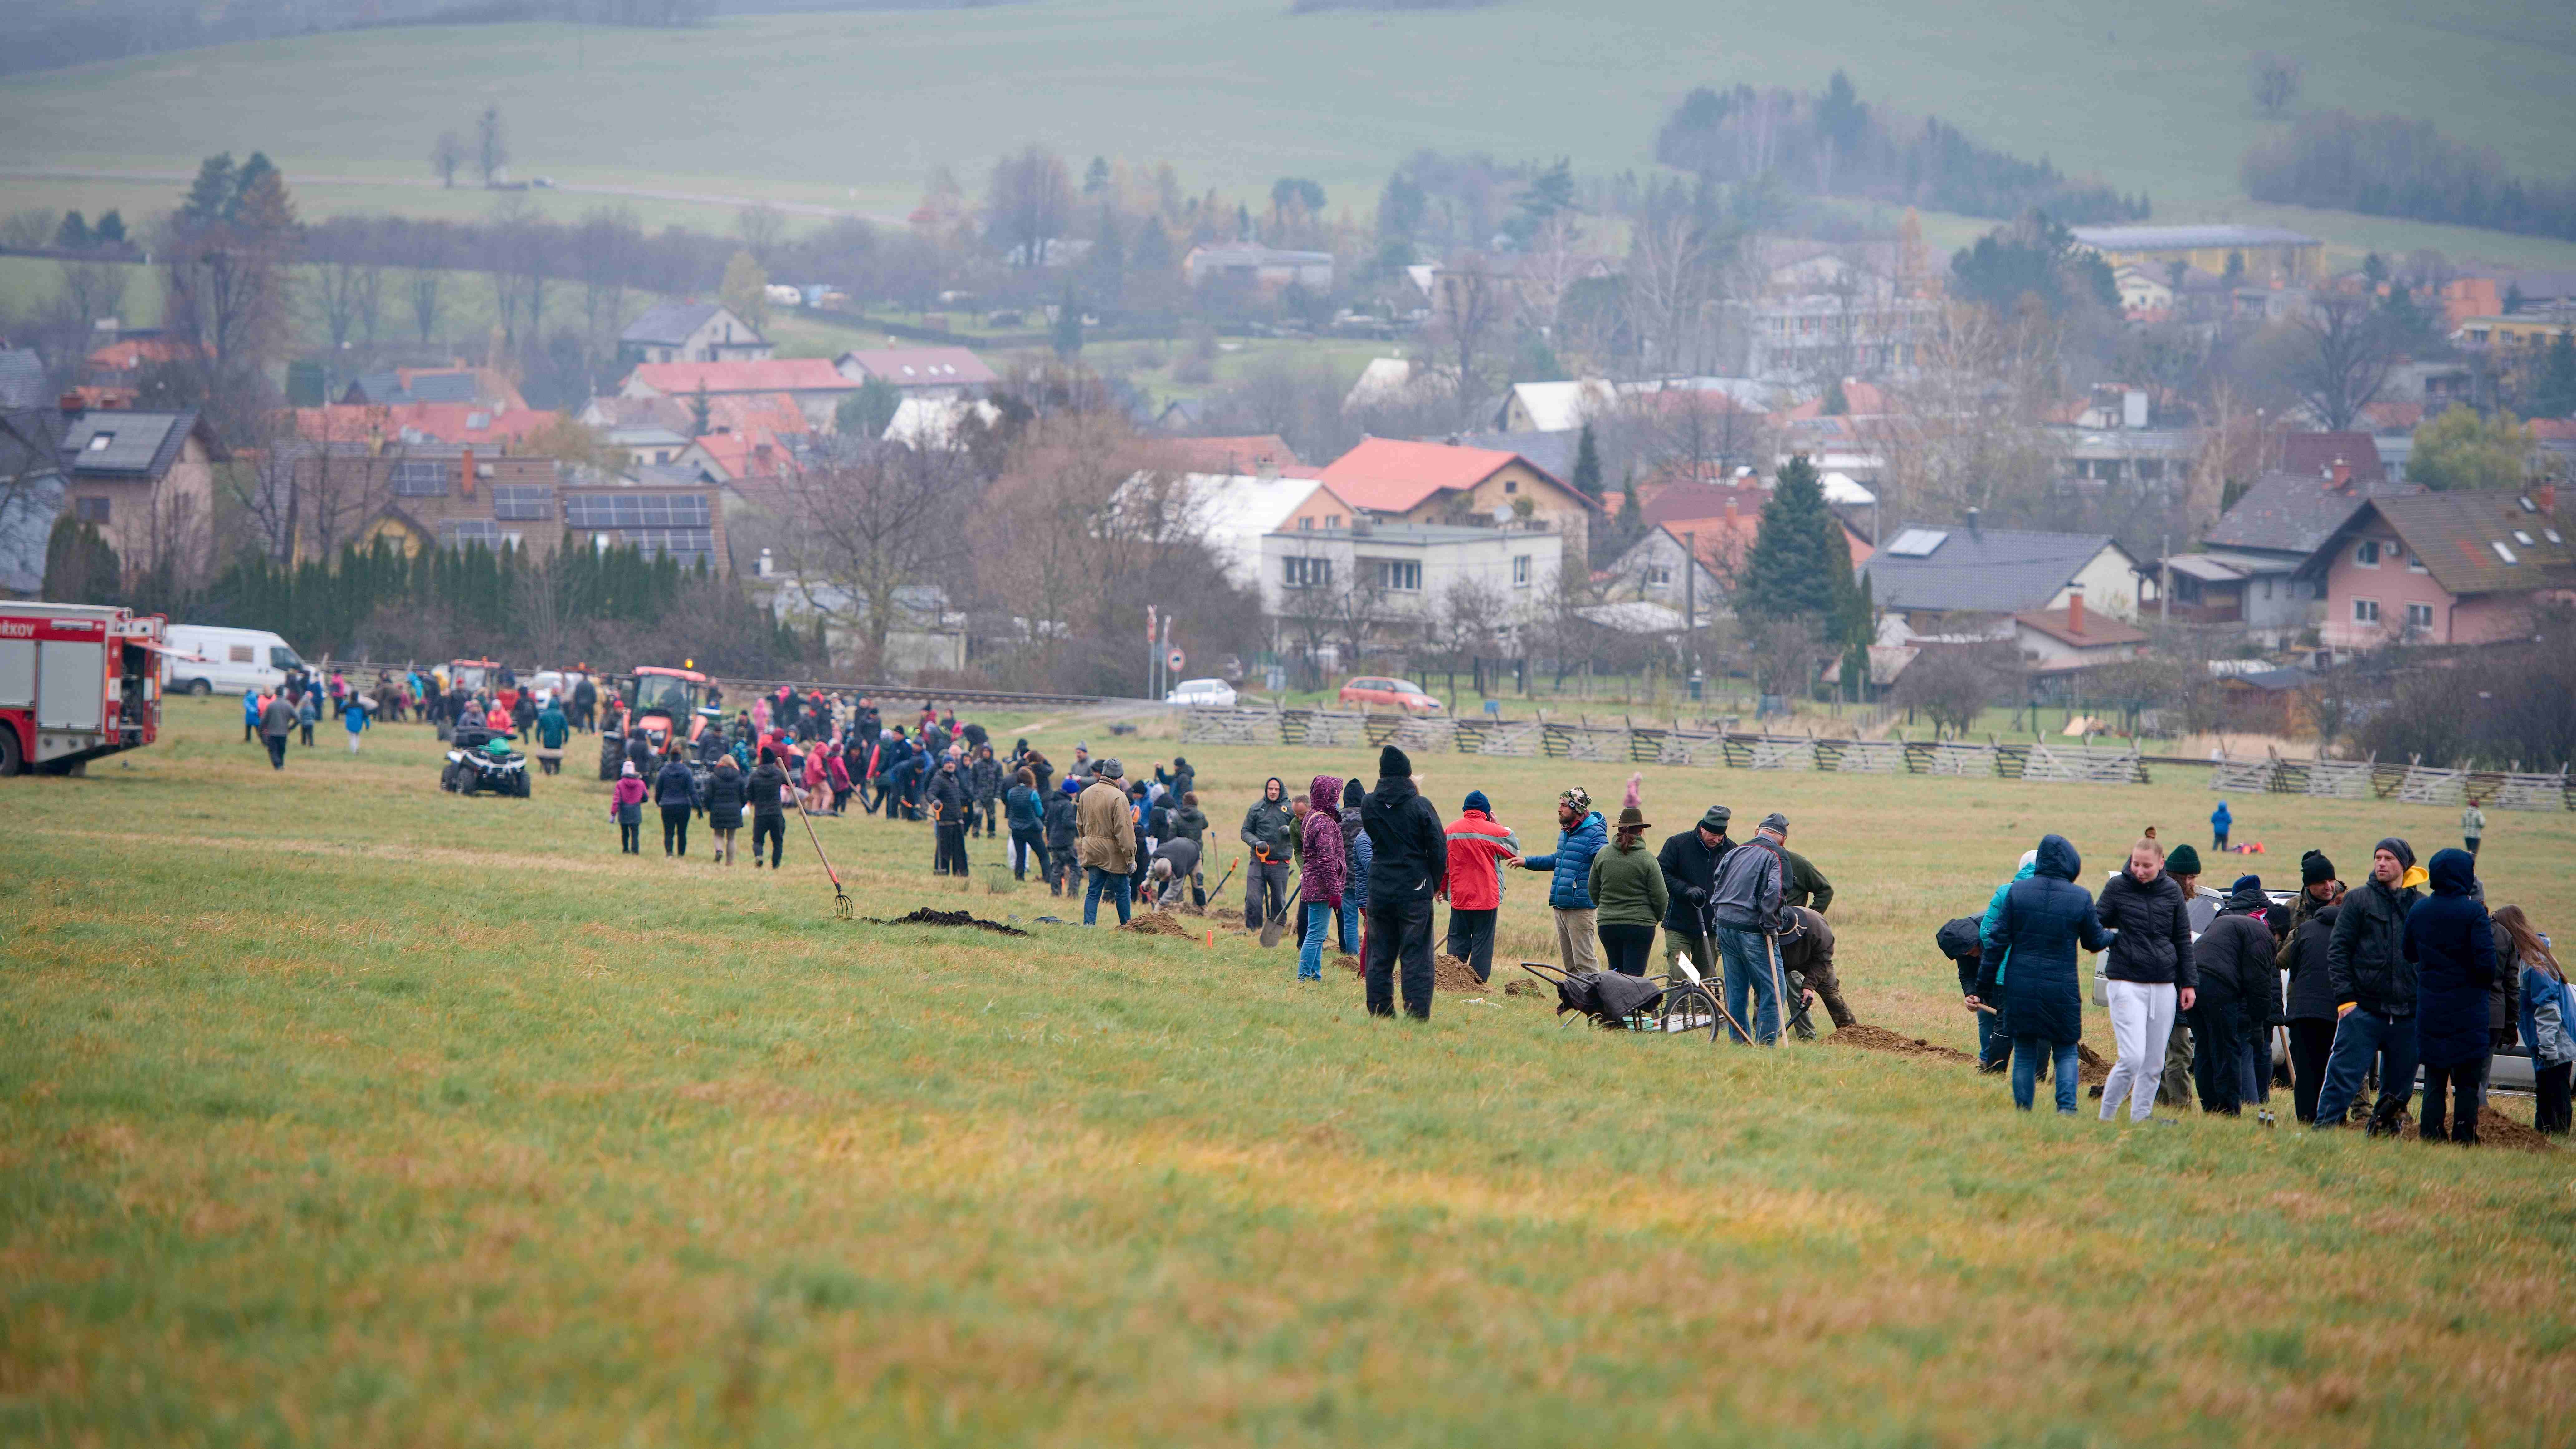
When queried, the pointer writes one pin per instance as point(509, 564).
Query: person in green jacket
point(552, 727)
point(1628, 896)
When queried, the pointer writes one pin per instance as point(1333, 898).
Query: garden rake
point(841, 905)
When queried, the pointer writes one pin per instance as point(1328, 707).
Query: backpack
point(1961, 939)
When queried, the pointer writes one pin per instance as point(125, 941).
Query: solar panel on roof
point(597, 510)
point(1918, 542)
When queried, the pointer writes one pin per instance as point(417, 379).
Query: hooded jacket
point(950, 791)
point(1322, 876)
point(2155, 931)
point(2312, 995)
point(2234, 961)
point(2548, 1015)
point(1269, 827)
point(675, 788)
point(984, 779)
point(1190, 822)
point(1478, 846)
point(1059, 817)
point(727, 792)
point(766, 789)
point(2043, 920)
point(626, 802)
point(2365, 957)
point(1104, 828)
point(1408, 848)
point(2451, 944)
point(1571, 889)
point(1689, 864)
point(1628, 886)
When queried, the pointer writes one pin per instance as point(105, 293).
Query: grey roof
point(386, 388)
point(1552, 452)
point(2176, 238)
point(668, 324)
point(22, 379)
point(138, 445)
point(1983, 571)
point(2295, 512)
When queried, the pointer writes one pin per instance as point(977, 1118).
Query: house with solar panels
point(1979, 582)
point(147, 479)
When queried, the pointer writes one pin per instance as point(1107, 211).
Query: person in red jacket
point(1478, 846)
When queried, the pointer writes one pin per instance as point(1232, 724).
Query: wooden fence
point(2413, 783)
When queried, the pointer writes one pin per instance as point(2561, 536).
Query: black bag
point(1962, 939)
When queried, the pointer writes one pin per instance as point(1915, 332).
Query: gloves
point(1697, 897)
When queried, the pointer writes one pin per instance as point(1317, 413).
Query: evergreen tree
point(110, 231)
point(699, 406)
point(1587, 466)
point(1799, 566)
point(1836, 405)
point(80, 567)
point(2553, 392)
point(210, 196)
point(1068, 327)
point(74, 234)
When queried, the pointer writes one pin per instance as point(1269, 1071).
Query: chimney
point(2546, 495)
point(2341, 473)
point(765, 563)
point(1730, 506)
point(70, 405)
point(1972, 523)
point(465, 475)
point(2075, 608)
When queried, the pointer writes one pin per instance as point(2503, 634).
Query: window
point(2419, 616)
point(237, 654)
point(1659, 576)
point(420, 478)
point(1306, 524)
point(1306, 573)
point(2503, 552)
point(1520, 570)
point(90, 510)
point(2522, 538)
point(1332, 520)
point(101, 442)
point(2365, 611)
point(1511, 485)
point(1397, 574)
point(2366, 554)
point(467, 532)
point(2415, 563)
point(522, 502)
point(281, 657)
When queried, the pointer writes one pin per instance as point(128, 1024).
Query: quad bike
point(480, 761)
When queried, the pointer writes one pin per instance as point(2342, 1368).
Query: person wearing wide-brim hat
point(1628, 895)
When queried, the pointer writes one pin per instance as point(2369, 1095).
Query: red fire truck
point(77, 681)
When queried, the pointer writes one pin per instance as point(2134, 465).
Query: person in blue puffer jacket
point(1581, 835)
point(2043, 920)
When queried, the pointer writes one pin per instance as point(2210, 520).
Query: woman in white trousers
point(2149, 971)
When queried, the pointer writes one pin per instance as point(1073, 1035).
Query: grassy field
point(1237, 92)
point(337, 1110)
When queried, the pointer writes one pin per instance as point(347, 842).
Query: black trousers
point(1471, 939)
point(675, 830)
point(2472, 843)
point(2462, 1082)
point(948, 857)
point(2310, 1043)
point(628, 842)
point(1626, 948)
point(1399, 930)
point(2218, 1031)
point(775, 828)
point(2551, 1114)
point(1027, 845)
point(276, 751)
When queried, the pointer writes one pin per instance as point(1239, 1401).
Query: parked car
point(203, 659)
point(1401, 694)
point(1202, 694)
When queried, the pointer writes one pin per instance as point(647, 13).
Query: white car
point(1202, 694)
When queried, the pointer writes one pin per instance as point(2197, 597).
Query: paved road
point(639, 193)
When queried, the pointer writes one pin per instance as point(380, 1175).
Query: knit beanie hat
point(1476, 801)
point(1775, 822)
point(2405, 853)
point(1354, 793)
point(1716, 819)
point(2314, 867)
point(1392, 765)
point(2183, 861)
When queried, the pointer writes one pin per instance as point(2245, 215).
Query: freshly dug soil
point(1226, 916)
point(2497, 1130)
point(1880, 1039)
point(2089, 1066)
point(1523, 988)
point(925, 916)
point(1155, 923)
point(1352, 964)
point(1449, 973)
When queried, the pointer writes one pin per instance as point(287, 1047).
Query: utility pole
point(1153, 619)
point(1690, 595)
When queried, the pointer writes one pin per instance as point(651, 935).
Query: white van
point(204, 659)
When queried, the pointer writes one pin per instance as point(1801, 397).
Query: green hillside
point(853, 109)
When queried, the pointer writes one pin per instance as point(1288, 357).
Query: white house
point(691, 332)
point(1403, 575)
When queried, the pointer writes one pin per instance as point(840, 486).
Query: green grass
point(337, 1110)
point(854, 109)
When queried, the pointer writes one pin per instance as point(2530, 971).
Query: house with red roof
point(1395, 481)
point(1257, 455)
point(2462, 567)
point(815, 386)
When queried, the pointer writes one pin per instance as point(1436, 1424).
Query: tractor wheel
point(612, 756)
point(11, 760)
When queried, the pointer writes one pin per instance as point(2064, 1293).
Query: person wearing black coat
point(952, 801)
point(726, 792)
point(2040, 924)
point(2374, 991)
point(2451, 941)
point(1689, 862)
point(1062, 821)
point(767, 792)
point(1409, 865)
point(2240, 996)
point(2312, 1008)
point(2149, 976)
point(676, 791)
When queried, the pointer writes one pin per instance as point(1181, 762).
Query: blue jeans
point(1310, 956)
point(2025, 1071)
point(1350, 922)
point(1747, 959)
point(1116, 883)
point(2359, 1037)
point(1994, 1041)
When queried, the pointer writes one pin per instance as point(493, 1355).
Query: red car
point(1384, 693)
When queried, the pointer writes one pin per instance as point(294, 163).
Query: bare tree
point(762, 227)
point(96, 289)
point(347, 294)
point(604, 248)
point(446, 156)
point(491, 145)
point(1953, 683)
point(421, 284)
point(1031, 203)
point(2338, 357)
point(2275, 82)
point(1466, 318)
point(874, 523)
point(313, 488)
point(1962, 435)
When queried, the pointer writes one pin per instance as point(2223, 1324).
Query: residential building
point(1395, 481)
point(2321, 455)
point(1932, 581)
point(1400, 382)
point(1694, 565)
point(147, 479)
point(1259, 267)
point(2140, 457)
point(2253, 570)
point(1550, 453)
point(2263, 253)
point(931, 372)
point(2531, 329)
point(646, 444)
point(691, 332)
point(483, 387)
point(1259, 455)
point(439, 495)
point(1400, 578)
point(1801, 339)
point(1555, 407)
point(478, 424)
point(2072, 639)
point(817, 387)
point(2444, 568)
point(2146, 293)
point(1233, 511)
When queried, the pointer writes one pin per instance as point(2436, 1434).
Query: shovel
point(1219, 893)
point(1270, 929)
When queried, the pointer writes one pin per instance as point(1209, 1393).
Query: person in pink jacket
point(626, 807)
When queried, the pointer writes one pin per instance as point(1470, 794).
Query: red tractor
point(660, 705)
point(77, 681)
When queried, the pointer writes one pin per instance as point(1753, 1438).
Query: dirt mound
point(925, 916)
point(1523, 988)
point(2497, 1130)
point(1226, 916)
point(1448, 973)
point(1880, 1039)
point(1155, 923)
point(1351, 964)
point(2089, 1066)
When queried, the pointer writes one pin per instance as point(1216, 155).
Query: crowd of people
point(2228, 996)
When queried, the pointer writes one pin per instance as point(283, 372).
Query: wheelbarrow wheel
point(1689, 1007)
